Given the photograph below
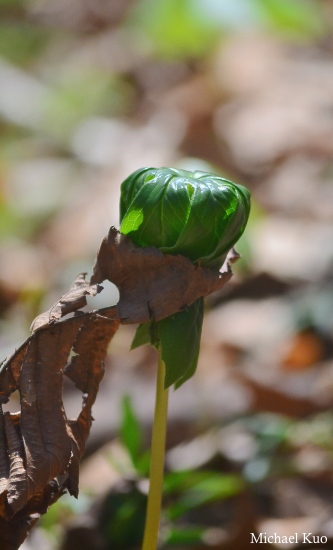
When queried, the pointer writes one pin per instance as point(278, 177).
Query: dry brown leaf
point(86, 369)
point(14, 531)
point(150, 283)
point(99, 328)
point(73, 300)
point(4, 461)
point(40, 443)
point(10, 371)
point(17, 490)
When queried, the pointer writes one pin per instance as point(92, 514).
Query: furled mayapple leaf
point(195, 214)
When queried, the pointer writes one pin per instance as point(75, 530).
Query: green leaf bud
point(196, 214)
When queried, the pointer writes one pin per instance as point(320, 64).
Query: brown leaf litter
point(150, 283)
point(40, 448)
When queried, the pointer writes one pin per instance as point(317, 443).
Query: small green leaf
point(141, 336)
point(218, 487)
point(180, 341)
point(179, 336)
point(142, 463)
point(148, 333)
point(154, 331)
point(124, 518)
point(190, 371)
point(178, 482)
point(294, 17)
point(175, 28)
point(130, 432)
point(184, 536)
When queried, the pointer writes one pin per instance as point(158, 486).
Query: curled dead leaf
point(70, 302)
point(40, 448)
point(39, 444)
point(150, 283)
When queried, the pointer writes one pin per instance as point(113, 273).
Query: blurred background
point(91, 90)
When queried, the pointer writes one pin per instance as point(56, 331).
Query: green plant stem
point(157, 461)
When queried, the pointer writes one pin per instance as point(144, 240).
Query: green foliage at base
point(179, 337)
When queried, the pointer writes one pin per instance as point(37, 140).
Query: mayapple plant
point(200, 216)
